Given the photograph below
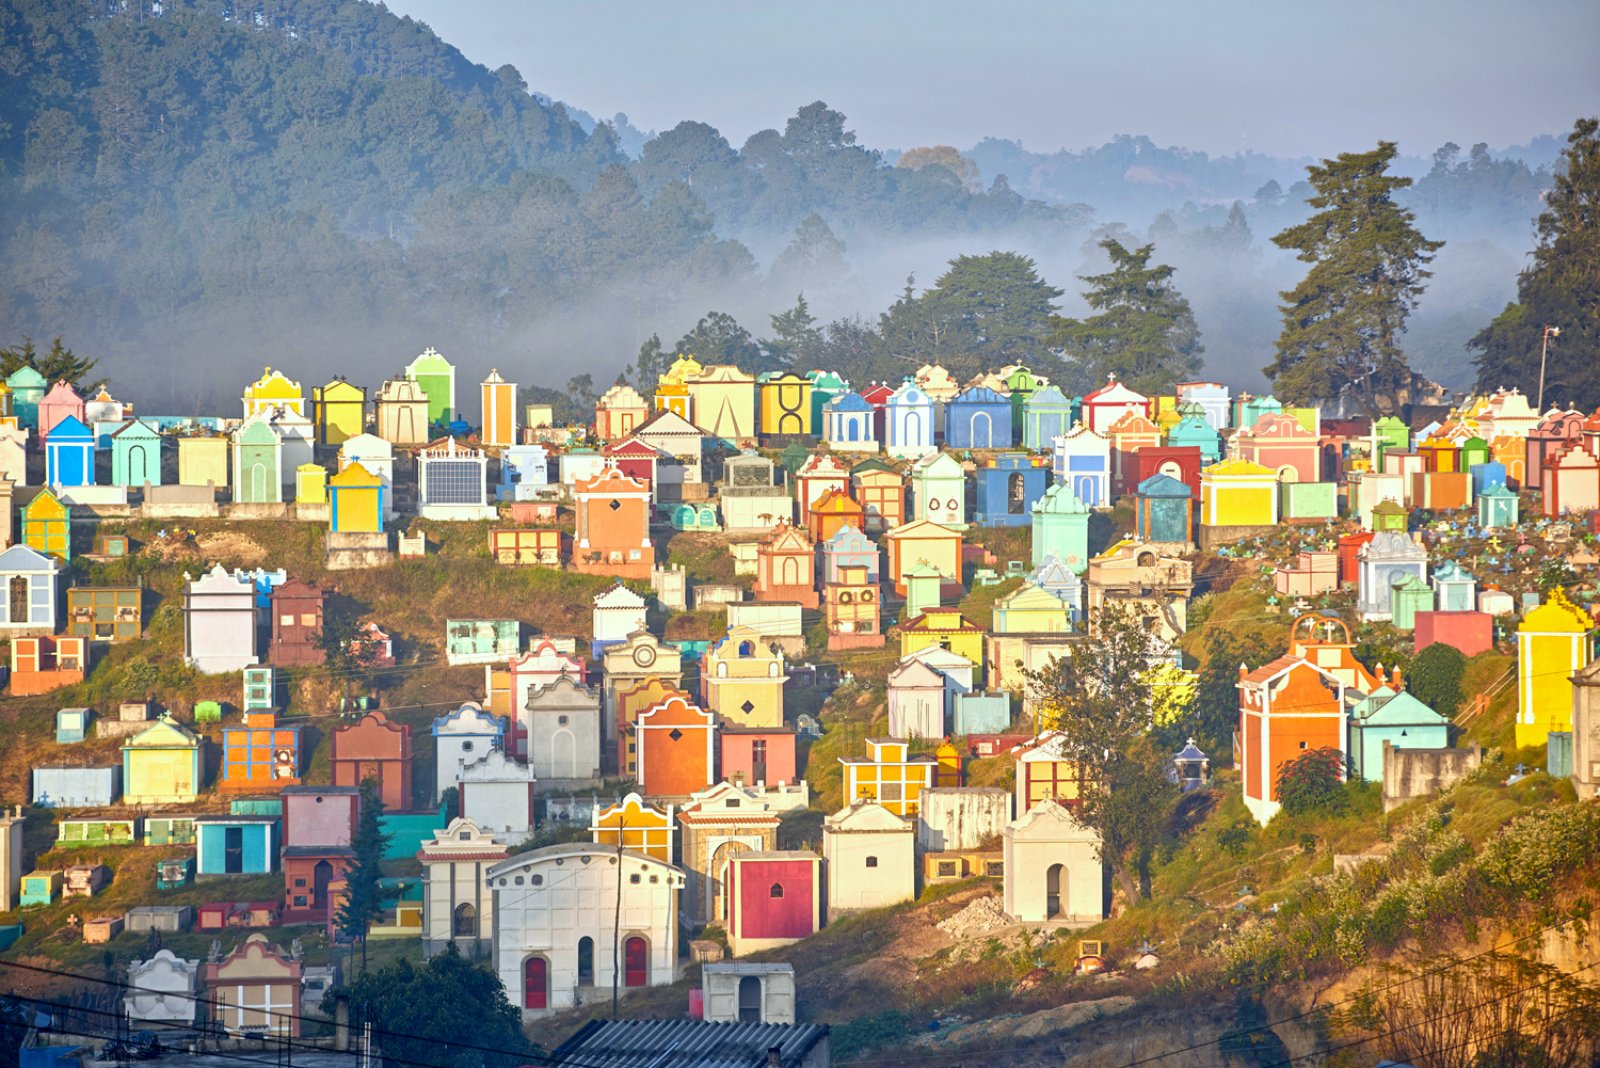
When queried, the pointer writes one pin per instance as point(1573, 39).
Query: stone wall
point(1413, 773)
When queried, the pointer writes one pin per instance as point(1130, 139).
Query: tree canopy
point(1145, 333)
point(1343, 323)
point(1557, 289)
point(60, 364)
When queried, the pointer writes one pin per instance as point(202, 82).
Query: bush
point(1436, 678)
point(1313, 782)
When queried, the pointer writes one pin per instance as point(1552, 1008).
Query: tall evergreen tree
point(60, 364)
point(1342, 323)
point(796, 341)
point(984, 312)
point(1558, 290)
point(1145, 333)
point(363, 904)
point(718, 338)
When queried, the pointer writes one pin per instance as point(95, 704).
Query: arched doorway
point(535, 983)
point(321, 876)
point(464, 922)
point(716, 901)
point(985, 439)
point(1052, 891)
point(635, 962)
point(586, 961)
point(750, 999)
point(1016, 493)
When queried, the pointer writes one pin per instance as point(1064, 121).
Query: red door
point(633, 962)
point(535, 983)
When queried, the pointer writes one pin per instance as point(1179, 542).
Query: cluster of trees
point(984, 312)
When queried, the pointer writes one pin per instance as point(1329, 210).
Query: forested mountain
point(325, 185)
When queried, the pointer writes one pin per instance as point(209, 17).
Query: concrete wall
point(1413, 773)
point(961, 817)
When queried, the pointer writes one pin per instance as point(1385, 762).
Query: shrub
point(1436, 678)
point(1313, 782)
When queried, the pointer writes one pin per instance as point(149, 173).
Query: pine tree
point(60, 364)
point(1558, 290)
point(1342, 323)
point(1145, 333)
point(796, 340)
point(363, 904)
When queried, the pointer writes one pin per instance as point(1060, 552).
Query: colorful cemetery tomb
point(786, 567)
point(296, 625)
point(625, 705)
point(833, 511)
point(459, 738)
point(1286, 708)
point(60, 402)
point(174, 874)
point(889, 775)
point(457, 903)
point(1309, 501)
point(1442, 491)
point(749, 496)
point(1486, 474)
point(909, 422)
point(1440, 454)
point(169, 830)
point(319, 823)
point(1009, 485)
point(1027, 621)
point(1238, 493)
point(848, 424)
point(1389, 517)
point(453, 482)
point(825, 385)
point(613, 526)
point(774, 899)
point(1571, 480)
point(618, 612)
point(76, 786)
point(47, 525)
point(219, 622)
point(71, 725)
point(1409, 596)
point(922, 542)
point(357, 500)
point(1127, 436)
point(30, 581)
point(1390, 717)
point(1179, 462)
point(1312, 574)
point(499, 407)
point(1213, 400)
point(943, 628)
point(259, 991)
point(1053, 871)
point(941, 388)
point(1104, 406)
point(849, 548)
point(635, 459)
point(1082, 461)
point(881, 489)
point(1143, 578)
point(260, 756)
point(27, 387)
point(257, 462)
point(161, 990)
point(69, 454)
point(785, 404)
point(1249, 410)
point(261, 689)
point(980, 713)
point(1385, 562)
point(870, 854)
point(235, 845)
point(135, 455)
point(978, 418)
point(742, 676)
point(1498, 508)
point(338, 411)
point(40, 888)
point(1278, 442)
point(1046, 414)
point(1053, 574)
point(496, 793)
point(820, 473)
point(851, 608)
point(524, 473)
point(1045, 773)
point(203, 460)
point(674, 748)
point(402, 413)
point(939, 490)
point(1368, 489)
point(1163, 512)
point(104, 613)
point(1456, 590)
point(89, 831)
point(375, 748)
point(756, 755)
point(13, 453)
point(162, 765)
point(436, 376)
point(561, 722)
point(1554, 642)
point(724, 403)
point(272, 392)
point(311, 484)
point(672, 387)
point(1474, 451)
point(1470, 631)
point(44, 663)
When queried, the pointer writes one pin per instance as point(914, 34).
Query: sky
point(1285, 77)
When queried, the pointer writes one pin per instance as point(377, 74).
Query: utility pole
point(1544, 350)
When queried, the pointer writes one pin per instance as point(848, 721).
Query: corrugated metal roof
point(687, 1043)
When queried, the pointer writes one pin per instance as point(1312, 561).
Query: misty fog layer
point(329, 189)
